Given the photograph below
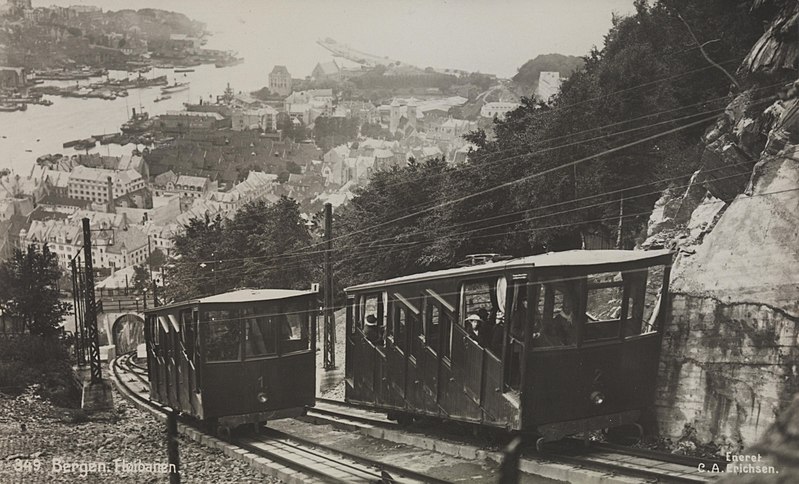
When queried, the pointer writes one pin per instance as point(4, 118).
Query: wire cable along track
point(317, 462)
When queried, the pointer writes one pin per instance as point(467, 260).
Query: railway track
point(316, 463)
point(609, 458)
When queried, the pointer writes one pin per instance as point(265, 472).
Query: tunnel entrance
point(127, 333)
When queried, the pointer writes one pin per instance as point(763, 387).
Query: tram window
point(480, 298)
point(432, 321)
point(187, 333)
point(476, 299)
point(556, 303)
point(400, 326)
point(259, 331)
point(643, 304)
point(224, 336)
point(603, 310)
point(446, 335)
point(294, 327)
point(417, 335)
point(654, 286)
point(604, 296)
point(368, 307)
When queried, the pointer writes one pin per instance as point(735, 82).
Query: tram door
point(162, 356)
point(173, 364)
point(397, 344)
point(153, 363)
point(186, 339)
point(421, 362)
point(436, 330)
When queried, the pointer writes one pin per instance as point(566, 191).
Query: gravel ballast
point(43, 443)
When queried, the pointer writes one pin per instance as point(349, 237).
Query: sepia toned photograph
point(399, 241)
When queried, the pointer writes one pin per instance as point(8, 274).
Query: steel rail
point(122, 366)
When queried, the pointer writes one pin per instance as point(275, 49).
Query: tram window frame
point(261, 316)
point(233, 320)
point(292, 344)
point(545, 312)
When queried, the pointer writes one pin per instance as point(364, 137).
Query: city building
point(184, 43)
point(96, 184)
point(113, 247)
point(183, 185)
point(12, 78)
point(280, 81)
point(182, 121)
point(325, 71)
point(450, 130)
point(497, 109)
point(264, 119)
point(548, 85)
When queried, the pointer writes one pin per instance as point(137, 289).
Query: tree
point(260, 247)
point(141, 278)
point(156, 259)
point(29, 289)
point(548, 176)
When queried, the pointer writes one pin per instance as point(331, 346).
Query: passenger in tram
point(372, 330)
point(486, 328)
point(497, 333)
point(473, 326)
point(559, 329)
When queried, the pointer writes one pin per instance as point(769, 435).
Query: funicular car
point(551, 344)
point(246, 356)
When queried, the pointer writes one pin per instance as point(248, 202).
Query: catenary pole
point(91, 306)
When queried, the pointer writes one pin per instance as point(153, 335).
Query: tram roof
point(240, 296)
point(569, 258)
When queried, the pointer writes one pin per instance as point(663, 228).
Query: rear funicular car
point(246, 356)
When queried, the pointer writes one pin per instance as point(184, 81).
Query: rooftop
point(569, 258)
point(193, 181)
point(196, 114)
point(240, 296)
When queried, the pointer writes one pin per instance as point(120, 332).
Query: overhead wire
point(748, 198)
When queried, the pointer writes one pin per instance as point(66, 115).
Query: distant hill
point(526, 79)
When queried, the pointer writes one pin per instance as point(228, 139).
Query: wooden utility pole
point(619, 230)
point(172, 447)
point(329, 338)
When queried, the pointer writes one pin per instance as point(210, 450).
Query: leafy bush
point(27, 360)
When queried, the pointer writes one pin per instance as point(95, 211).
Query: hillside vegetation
point(625, 126)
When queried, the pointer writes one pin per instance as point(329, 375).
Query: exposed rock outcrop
point(730, 355)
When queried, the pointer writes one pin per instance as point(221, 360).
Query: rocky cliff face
point(731, 353)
